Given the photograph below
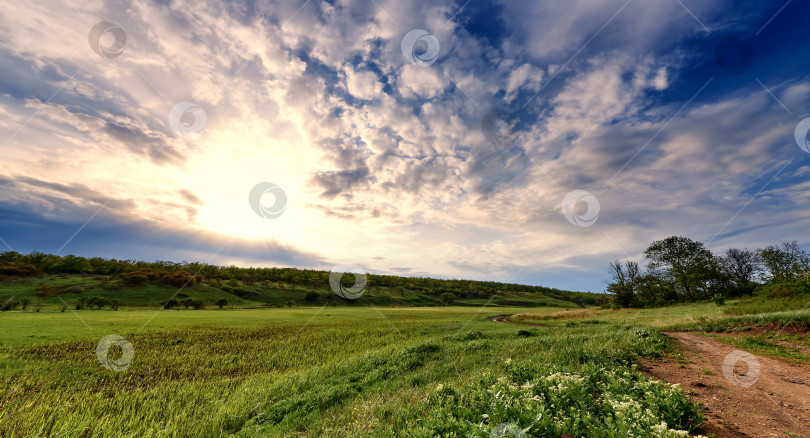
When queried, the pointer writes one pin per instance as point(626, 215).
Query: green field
point(330, 371)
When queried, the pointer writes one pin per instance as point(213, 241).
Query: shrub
point(290, 303)
point(18, 270)
point(222, 302)
point(215, 282)
point(447, 298)
point(114, 304)
point(719, 299)
point(9, 304)
point(188, 302)
point(133, 278)
point(170, 304)
point(97, 302)
point(311, 296)
point(198, 304)
point(178, 279)
point(44, 290)
point(24, 303)
point(70, 290)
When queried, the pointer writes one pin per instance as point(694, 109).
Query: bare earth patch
point(776, 405)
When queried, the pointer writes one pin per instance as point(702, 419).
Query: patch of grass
point(799, 319)
point(764, 345)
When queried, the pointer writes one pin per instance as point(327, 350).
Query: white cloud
point(399, 179)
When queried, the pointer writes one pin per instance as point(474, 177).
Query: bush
point(447, 298)
point(69, 290)
point(9, 304)
point(44, 290)
point(719, 299)
point(178, 279)
point(97, 302)
point(172, 303)
point(24, 303)
point(222, 302)
point(215, 282)
point(311, 296)
point(198, 304)
point(188, 302)
point(133, 278)
point(18, 270)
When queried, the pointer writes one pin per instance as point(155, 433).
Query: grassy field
point(331, 371)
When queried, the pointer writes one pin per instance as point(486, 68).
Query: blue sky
point(542, 140)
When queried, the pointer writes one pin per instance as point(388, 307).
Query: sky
point(517, 141)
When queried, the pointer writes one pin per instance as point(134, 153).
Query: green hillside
point(47, 282)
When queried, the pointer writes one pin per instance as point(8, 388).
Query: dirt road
point(776, 404)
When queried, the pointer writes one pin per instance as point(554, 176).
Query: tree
point(198, 304)
point(623, 282)
point(98, 302)
point(786, 262)
point(742, 265)
point(187, 303)
point(689, 265)
point(447, 298)
point(222, 302)
point(170, 304)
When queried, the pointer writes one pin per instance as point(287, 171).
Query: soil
point(777, 404)
point(505, 318)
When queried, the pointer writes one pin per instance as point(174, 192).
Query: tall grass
point(350, 377)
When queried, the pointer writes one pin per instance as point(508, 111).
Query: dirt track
point(777, 404)
point(505, 318)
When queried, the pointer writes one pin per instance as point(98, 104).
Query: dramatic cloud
point(453, 166)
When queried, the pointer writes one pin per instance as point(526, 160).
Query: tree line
point(679, 269)
point(136, 272)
